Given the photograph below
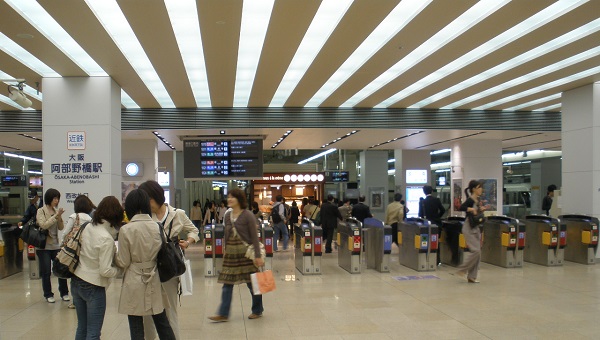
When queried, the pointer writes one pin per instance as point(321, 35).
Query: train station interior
point(350, 99)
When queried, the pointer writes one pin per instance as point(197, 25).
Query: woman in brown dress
point(240, 231)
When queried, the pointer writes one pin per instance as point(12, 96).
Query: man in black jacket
point(547, 201)
point(330, 214)
point(432, 210)
point(361, 211)
point(31, 211)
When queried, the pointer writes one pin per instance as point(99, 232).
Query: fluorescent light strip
point(443, 170)
point(280, 140)
point(395, 139)
point(552, 45)
point(528, 77)
point(184, 19)
point(437, 152)
point(255, 21)
point(21, 55)
point(8, 154)
point(35, 172)
point(4, 169)
point(340, 138)
point(116, 25)
point(515, 163)
point(548, 108)
point(323, 24)
point(534, 102)
point(544, 87)
point(317, 156)
point(391, 160)
point(468, 19)
point(29, 136)
point(26, 89)
point(37, 16)
point(525, 27)
point(441, 164)
point(163, 139)
point(127, 101)
point(4, 99)
point(396, 20)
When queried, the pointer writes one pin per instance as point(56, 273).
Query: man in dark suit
point(432, 210)
point(330, 214)
point(361, 211)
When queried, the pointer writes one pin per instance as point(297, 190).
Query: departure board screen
point(223, 158)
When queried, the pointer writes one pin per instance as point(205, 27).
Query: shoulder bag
point(170, 260)
point(33, 235)
point(249, 247)
point(67, 259)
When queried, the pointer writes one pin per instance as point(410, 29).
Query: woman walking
point(472, 233)
point(240, 229)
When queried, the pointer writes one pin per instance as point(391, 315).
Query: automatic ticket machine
point(503, 242)
point(214, 247)
point(418, 243)
point(378, 244)
point(547, 240)
point(452, 241)
point(265, 235)
point(582, 232)
point(308, 247)
point(350, 245)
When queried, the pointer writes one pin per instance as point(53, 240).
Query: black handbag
point(476, 220)
point(33, 235)
point(170, 260)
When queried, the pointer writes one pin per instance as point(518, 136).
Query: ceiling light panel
point(323, 24)
point(127, 101)
point(116, 25)
point(396, 20)
point(552, 45)
point(312, 158)
point(163, 139)
point(29, 136)
point(525, 27)
point(24, 57)
point(184, 19)
point(468, 19)
point(4, 99)
point(282, 138)
point(549, 108)
point(534, 102)
point(528, 77)
point(339, 138)
point(37, 16)
point(255, 21)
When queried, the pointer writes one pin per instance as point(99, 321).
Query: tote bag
point(262, 282)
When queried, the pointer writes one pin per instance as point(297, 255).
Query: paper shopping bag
point(187, 284)
point(262, 282)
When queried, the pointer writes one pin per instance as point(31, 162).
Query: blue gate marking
point(415, 277)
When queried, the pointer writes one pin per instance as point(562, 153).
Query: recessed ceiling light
point(395, 139)
point(164, 140)
point(29, 136)
point(280, 140)
point(339, 138)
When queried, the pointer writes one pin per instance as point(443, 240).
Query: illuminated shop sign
point(295, 178)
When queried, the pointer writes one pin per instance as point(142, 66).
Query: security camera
point(17, 96)
point(509, 171)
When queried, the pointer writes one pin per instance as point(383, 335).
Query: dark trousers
point(227, 295)
point(328, 234)
point(395, 233)
point(161, 322)
point(45, 258)
point(90, 303)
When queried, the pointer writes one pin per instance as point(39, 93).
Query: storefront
point(294, 187)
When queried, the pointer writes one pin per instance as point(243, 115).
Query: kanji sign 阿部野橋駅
point(77, 170)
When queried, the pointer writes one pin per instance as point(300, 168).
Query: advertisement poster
point(127, 187)
point(457, 194)
point(489, 197)
point(376, 198)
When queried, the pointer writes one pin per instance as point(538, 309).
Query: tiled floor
point(530, 303)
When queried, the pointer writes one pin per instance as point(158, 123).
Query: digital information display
point(223, 158)
point(337, 176)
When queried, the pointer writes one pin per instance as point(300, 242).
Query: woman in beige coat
point(141, 293)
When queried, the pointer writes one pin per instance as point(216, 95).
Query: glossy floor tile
point(532, 302)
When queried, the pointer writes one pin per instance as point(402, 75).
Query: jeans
point(227, 295)
point(280, 229)
point(161, 323)
point(90, 303)
point(45, 258)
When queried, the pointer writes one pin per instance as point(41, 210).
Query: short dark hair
point(137, 202)
point(50, 195)
point(362, 199)
point(83, 204)
point(279, 198)
point(109, 210)
point(397, 197)
point(255, 204)
point(428, 190)
point(154, 190)
point(195, 203)
point(317, 203)
point(330, 198)
point(294, 204)
point(551, 188)
point(241, 197)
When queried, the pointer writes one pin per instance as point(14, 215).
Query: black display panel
point(222, 158)
point(337, 176)
point(14, 181)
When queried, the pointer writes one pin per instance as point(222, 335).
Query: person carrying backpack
point(279, 227)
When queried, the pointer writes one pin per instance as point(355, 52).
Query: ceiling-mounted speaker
point(18, 97)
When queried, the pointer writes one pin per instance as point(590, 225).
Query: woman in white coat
point(175, 222)
point(141, 293)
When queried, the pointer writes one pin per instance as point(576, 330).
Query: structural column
point(374, 180)
point(81, 127)
point(418, 163)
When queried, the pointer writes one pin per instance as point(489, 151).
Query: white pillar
point(81, 127)
point(418, 161)
point(374, 180)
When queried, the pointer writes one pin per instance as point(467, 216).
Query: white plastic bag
point(187, 284)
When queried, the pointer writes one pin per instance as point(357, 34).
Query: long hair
point(472, 185)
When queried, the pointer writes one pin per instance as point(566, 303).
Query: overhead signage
point(14, 181)
point(223, 158)
point(294, 178)
point(416, 176)
point(337, 176)
point(76, 170)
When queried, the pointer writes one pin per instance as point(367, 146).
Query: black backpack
point(170, 260)
point(275, 214)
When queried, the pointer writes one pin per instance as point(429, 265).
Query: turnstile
point(503, 242)
point(547, 239)
point(378, 242)
point(308, 248)
point(34, 264)
point(265, 235)
point(582, 233)
point(418, 243)
point(452, 241)
point(11, 250)
point(214, 246)
point(350, 245)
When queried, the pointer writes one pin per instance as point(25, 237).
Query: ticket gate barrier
point(503, 242)
point(34, 265)
point(452, 241)
point(377, 238)
point(582, 233)
point(214, 247)
point(418, 243)
point(350, 245)
point(265, 235)
point(308, 248)
point(11, 250)
point(547, 240)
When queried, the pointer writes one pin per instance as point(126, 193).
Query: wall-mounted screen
point(163, 178)
point(223, 158)
point(416, 176)
point(36, 181)
point(413, 197)
point(337, 176)
point(14, 181)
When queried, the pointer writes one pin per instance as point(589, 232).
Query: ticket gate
point(582, 232)
point(34, 265)
point(503, 242)
point(214, 247)
point(308, 248)
point(547, 240)
point(350, 245)
point(265, 235)
point(11, 250)
point(377, 238)
point(452, 241)
point(418, 243)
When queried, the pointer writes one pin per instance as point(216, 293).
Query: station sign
point(292, 178)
